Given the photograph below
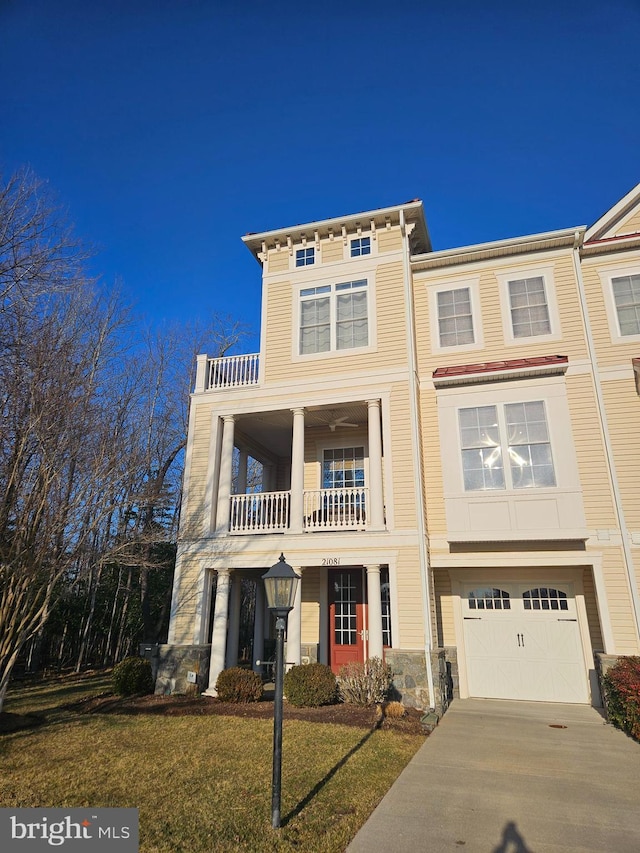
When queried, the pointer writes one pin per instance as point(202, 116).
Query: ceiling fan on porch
point(341, 422)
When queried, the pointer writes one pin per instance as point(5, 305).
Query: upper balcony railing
point(232, 371)
point(324, 509)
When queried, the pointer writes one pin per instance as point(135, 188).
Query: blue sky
point(169, 128)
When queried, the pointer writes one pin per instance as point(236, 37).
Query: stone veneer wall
point(174, 662)
point(603, 665)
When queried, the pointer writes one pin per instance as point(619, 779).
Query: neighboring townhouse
point(446, 452)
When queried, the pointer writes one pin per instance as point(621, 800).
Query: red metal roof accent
point(612, 239)
point(492, 366)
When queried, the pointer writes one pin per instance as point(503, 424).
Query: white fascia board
point(499, 248)
point(614, 213)
point(414, 209)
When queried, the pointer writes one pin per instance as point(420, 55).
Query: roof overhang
point(371, 219)
point(515, 368)
point(566, 238)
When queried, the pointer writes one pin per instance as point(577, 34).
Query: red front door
point(346, 621)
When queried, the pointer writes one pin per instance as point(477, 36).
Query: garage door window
point(489, 598)
point(545, 598)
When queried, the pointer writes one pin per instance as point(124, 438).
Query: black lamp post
point(280, 584)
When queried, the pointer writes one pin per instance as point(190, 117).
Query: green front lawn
point(203, 783)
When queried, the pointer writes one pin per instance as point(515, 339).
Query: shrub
point(622, 695)
point(310, 685)
point(239, 685)
point(365, 683)
point(132, 675)
point(394, 710)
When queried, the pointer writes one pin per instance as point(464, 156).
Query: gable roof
point(622, 220)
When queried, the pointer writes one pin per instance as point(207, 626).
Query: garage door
point(523, 642)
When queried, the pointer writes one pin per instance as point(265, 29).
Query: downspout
point(417, 455)
point(617, 499)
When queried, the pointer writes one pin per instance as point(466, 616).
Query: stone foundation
point(174, 662)
point(453, 677)
point(409, 677)
point(603, 665)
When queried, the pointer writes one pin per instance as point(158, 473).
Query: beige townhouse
point(444, 446)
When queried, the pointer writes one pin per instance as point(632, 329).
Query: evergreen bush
point(239, 685)
point(131, 676)
point(365, 683)
point(622, 695)
point(310, 685)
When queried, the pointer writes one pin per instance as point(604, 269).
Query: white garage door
point(523, 642)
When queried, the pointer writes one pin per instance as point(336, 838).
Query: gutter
point(416, 446)
point(617, 498)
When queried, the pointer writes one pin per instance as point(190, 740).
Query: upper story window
point(455, 318)
point(516, 432)
point(626, 296)
point(334, 317)
point(529, 307)
point(360, 246)
point(305, 257)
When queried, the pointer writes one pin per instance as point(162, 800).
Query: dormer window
point(305, 257)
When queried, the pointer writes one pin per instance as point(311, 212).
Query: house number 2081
point(331, 561)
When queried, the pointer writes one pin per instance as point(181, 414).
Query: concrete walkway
point(507, 777)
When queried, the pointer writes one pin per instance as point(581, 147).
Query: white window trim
point(296, 355)
point(551, 391)
point(346, 442)
point(304, 248)
point(473, 284)
point(606, 278)
point(514, 274)
point(373, 244)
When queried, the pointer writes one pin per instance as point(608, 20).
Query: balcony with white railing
point(324, 510)
point(232, 371)
point(335, 509)
point(261, 512)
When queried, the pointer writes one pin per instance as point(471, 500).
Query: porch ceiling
point(273, 430)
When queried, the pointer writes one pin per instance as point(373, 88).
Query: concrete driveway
point(512, 777)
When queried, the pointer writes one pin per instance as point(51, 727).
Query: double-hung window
point(529, 307)
point(343, 468)
point(334, 317)
point(305, 257)
point(455, 319)
point(626, 296)
point(506, 446)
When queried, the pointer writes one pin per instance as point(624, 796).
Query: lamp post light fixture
point(280, 584)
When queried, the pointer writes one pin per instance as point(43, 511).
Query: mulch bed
point(204, 706)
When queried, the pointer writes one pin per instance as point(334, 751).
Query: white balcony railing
point(262, 512)
point(335, 509)
point(232, 371)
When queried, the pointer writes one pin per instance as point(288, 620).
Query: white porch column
point(233, 634)
point(243, 459)
point(294, 625)
point(258, 627)
point(376, 496)
point(297, 472)
point(226, 476)
point(219, 634)
point(374, 609)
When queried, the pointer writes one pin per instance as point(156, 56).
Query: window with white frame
point(343, 468)
point(306, 256)
point(333, 317)
point(626, 296)
point(516, 432)
point(455, 318)
point(360, 246)
point(529, 307)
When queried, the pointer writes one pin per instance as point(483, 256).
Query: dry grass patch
point(202, 784)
